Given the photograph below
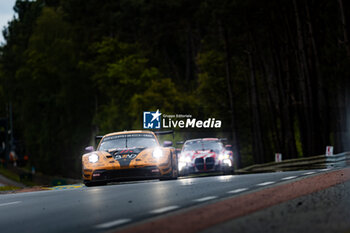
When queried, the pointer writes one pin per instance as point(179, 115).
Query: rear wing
point(163, 132)
point(223, 139)
point(99, 137)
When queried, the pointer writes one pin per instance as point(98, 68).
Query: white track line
point(164, 209)
point(205, 198)
point(113, 223)
point(309, 173)
point(289, 177)
point(237, 190)
point(326, 169)
point(10, 203)
point(266, 183)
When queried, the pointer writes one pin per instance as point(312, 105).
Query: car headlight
point(185, 159)
point(93, 158)
point(227, 162)
point(181, 165)
point(157, 153)
point(224, 156)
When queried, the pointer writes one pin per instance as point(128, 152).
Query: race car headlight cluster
point(93, 158)
point(224, 156)
point(185, 159)
point(157, 153)
point(227, 162)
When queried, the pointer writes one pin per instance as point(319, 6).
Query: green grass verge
point(9, 174)
point(15, 177)
point(8, 188)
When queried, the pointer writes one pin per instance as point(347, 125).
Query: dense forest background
point(275, 71)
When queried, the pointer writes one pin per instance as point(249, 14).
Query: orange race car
point(129, 155)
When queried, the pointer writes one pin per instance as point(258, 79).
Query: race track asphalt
point(322, 212)
point(103, 208)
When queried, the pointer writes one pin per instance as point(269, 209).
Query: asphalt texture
point(99, 209)
point(324, 211)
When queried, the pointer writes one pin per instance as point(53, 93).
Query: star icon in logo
point(156, 115)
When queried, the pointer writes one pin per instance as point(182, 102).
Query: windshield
point(200, 145)
point(140, 140)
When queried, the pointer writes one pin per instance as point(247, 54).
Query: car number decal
point(125, 156)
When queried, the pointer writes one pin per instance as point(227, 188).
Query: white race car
point(205, 155)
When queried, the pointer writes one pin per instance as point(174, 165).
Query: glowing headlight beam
point(157, 153)
point(93, 158)
point(185, 159)
point(181, 166)
point(224, 156)
point(228, 162)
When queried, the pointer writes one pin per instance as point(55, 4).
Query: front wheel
point(173, 174)
point(229, 171)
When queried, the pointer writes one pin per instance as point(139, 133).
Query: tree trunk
point(344, 28)
point(235, 142)
point(305, 112)
point(319, 106)
point(258, 148)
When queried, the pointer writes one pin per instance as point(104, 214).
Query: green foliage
point(52, 95)
point(73, 69)
point(154, 96)
point(212, 83)
point(129, 86)
point(8, 188)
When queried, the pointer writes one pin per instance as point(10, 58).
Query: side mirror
point(89, 149)
point(228, 147)
point(167, 143)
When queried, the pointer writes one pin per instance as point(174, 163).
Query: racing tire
point(229, 171)
point(184, 173)
point(174, 173)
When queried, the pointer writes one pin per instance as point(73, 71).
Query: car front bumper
point(203, 167)
point(123, 174)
